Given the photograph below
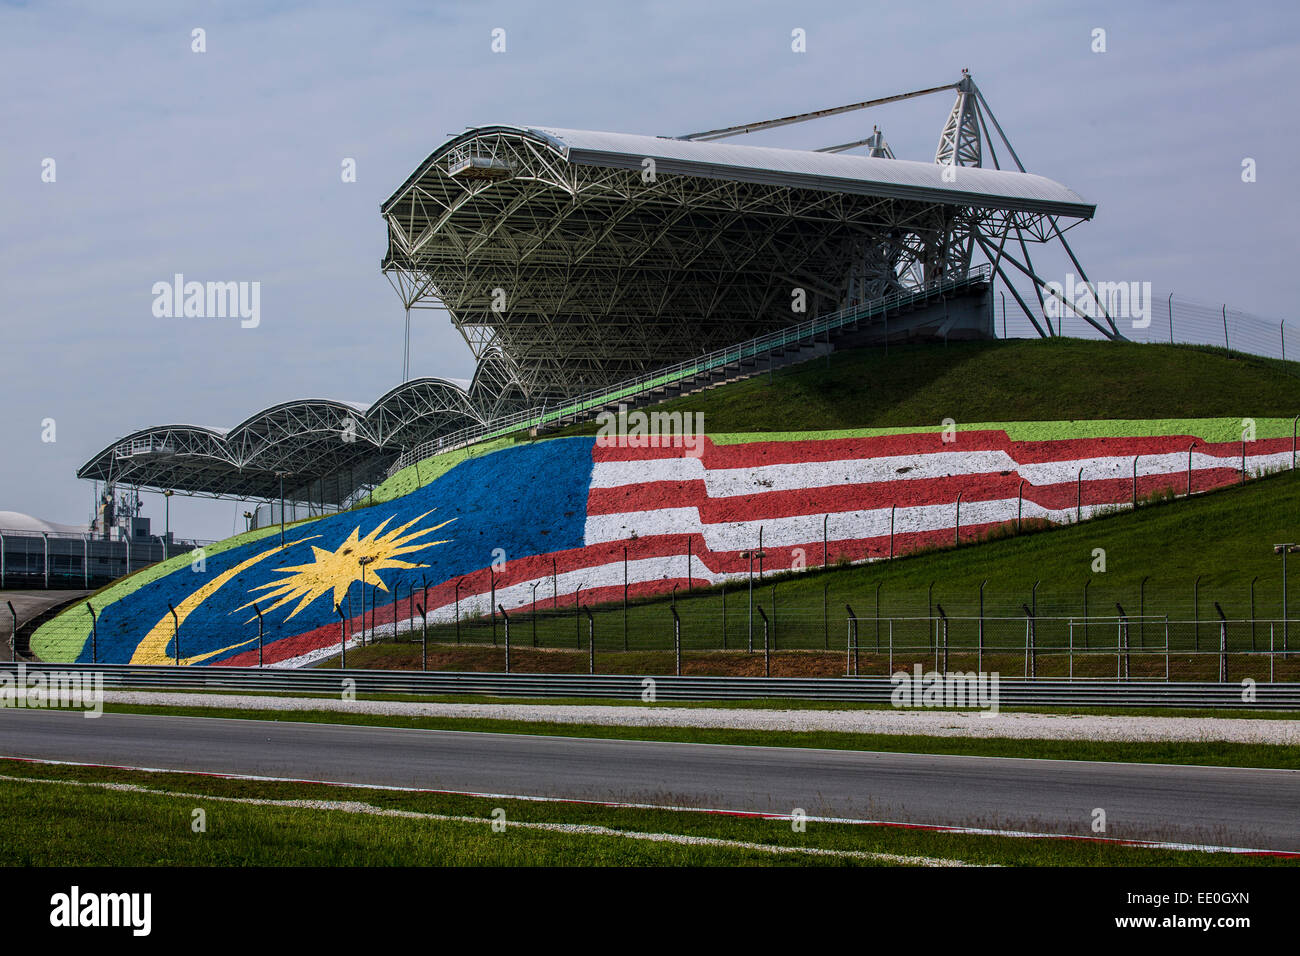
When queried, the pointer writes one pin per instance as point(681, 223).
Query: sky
point(225, 165)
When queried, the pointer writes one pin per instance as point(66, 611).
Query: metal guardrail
point(669, 375)
point(1013, 692)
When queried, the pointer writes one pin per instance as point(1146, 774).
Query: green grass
point(1001, 381)
point(1209, 753)
point(90, 825)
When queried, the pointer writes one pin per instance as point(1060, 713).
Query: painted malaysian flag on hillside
point(580, 515)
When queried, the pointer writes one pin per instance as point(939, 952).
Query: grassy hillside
point(1002, 381)
point(1224, 537)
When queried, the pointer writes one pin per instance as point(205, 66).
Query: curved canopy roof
point(834, 172)
point(330, 444)
point(587, 257)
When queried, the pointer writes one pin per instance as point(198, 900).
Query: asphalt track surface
point(28, 604)
point(1257, 809)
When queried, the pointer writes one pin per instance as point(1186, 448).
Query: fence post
point(878, 583)
point(1086, 584)
point(750, 638)
point(591, 641)
point(891, 531)
point(1030, 642)
point(258, 611)
point(724, 616)
point(891, 646)
point(826, 617)
point(94, 633)
point(851, 648)
point(979, 654)
point(1252, 611)
point(506, 619)
point(1070, 648)
point(424, 634)
point(343, 637)
point(677, 638)
point(1272, 653)
point(1166, 647)
point(176, 632)
point(13, 637)
point(1223, 644)
point(767, 653)
point(1122, 645)
point(774, 613)
point(944, 617)
point(1142, 613)
point(1196, 613)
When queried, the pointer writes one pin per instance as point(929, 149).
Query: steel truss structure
point(324, 450)
point(581, 258)
point(570, 260)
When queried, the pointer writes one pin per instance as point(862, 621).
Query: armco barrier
point(1013, 692)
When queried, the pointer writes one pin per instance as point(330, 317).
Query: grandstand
point(585, 268)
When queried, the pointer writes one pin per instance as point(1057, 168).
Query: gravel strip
point(918, 722)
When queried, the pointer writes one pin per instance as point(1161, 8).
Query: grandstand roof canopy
point(585, 257)
point(328, 443)
point(832, 172)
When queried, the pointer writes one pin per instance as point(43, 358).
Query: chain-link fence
point(1161, 318)
point(1146, 647)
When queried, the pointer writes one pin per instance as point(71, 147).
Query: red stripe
point(755, 454)
point(836, 499)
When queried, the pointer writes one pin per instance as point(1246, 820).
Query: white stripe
point(731, 482)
